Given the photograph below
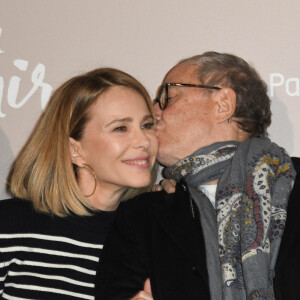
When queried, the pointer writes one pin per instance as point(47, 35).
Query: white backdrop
point(43, 43)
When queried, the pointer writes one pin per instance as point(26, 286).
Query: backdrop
point(43, 43)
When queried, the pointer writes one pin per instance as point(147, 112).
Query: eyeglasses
point(163, 99)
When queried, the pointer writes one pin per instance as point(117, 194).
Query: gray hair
point(252, 113)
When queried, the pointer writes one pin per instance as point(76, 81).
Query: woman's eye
point(120, 128)
point(149, 125)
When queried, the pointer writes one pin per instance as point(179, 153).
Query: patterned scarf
point(255, 180)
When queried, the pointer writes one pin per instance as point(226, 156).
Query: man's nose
point(157, 111)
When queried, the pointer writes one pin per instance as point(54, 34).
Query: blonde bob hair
point(43, 172)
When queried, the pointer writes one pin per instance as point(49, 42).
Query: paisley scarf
point(243, 234)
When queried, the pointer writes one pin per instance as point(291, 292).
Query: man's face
point(186, 124)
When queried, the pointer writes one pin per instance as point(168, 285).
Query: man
point(219, 236)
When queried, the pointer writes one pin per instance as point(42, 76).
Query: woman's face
point(119, 140)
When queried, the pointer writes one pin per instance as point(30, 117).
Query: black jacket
point(155, 236)
point(287, 271)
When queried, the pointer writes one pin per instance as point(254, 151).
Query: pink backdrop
point(43, 43)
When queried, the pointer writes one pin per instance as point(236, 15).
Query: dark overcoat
point(155, 236)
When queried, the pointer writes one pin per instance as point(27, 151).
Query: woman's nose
point(142, 140)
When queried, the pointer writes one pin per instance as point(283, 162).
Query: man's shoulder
point(294, 201)
point(296, 163)
point(153, 206)
point(148, 201)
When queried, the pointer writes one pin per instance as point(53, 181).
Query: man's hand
point(167, 184)
point(146, 294)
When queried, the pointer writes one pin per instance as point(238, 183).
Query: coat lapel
point(177, 220)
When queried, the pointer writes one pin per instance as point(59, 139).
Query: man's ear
point(226, 104)
point(75, 152)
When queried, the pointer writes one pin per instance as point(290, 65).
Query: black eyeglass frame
point(164, 105)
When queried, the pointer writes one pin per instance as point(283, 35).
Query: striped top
point(48, 257)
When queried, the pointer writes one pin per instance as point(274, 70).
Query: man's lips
point(138, 162)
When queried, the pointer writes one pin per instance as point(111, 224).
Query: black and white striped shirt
point(48, 257)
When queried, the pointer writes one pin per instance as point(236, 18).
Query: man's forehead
point(183, 73)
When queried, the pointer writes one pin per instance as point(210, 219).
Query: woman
point(93, 145)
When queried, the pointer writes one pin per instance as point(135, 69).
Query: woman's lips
point(138, 162)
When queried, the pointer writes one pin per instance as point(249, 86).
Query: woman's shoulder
point(15, 206)
point(15, 213)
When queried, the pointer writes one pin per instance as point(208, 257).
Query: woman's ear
point(226, 104)
point(75, 152)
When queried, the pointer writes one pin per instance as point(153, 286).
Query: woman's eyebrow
point(146, 117)
point(124, 120)
point(127, 120)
